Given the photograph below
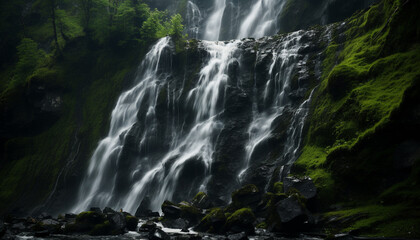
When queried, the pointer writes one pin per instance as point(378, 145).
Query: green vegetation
point(369, 83)
point(82, 51)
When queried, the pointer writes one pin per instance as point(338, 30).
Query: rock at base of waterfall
point(132, 222)
point(241, 221)
point(237, 236)
point(247, 196)
point(158, 234)
point(290, 210)
point(147, 227)
point(171, 210)
point(213, 222)
point(144, 208)
point(176, 223)
point(305, 186)
point(201, 200)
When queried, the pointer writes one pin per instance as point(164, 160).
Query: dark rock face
point(290, 209)
point(171, 210)
point(305, 186)
point(158, 234)
point(201, 200)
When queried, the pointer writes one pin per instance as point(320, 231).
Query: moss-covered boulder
point(201, 200)
point(132, 222)
point(171, 210)
point(213, 222)
point(247, 196)
point(190, 213)
point(305, 186)
point(241, 221)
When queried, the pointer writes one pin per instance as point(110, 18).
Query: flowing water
point(159, 179)
point(164, 131)
point(194, 19)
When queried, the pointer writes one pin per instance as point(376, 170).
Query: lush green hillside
point(362, 144)
point(62, 69)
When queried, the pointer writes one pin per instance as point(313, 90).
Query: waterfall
point(170, 135)
point(262, 19)
point(275, 97)
point(194, 19)
point(158, 180)
point(214, 22)
point(98, 186)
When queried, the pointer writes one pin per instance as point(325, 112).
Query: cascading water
point(262, 20)
point(203, 125)
point(275, 98)
point(158, 180)
point(214, 22)
point(99, 184)
point(194, 19)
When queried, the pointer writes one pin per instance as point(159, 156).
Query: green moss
point(278, 187)
point(199, 197)
point(353, 125)
point(132, 222)
point(213, 222)
point(242, 218)
point(379, 221)
point(241, 213)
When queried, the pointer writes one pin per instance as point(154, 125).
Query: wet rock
point(305, 186)
point(292, 213)
point(109, 210)
point(247, 196)
point(144, 208)
point(177, 223)
point(201, 200)
point(44, 233)
point(95, 209)
point(147, 227)
point(44, 215)
point(70, 216)
point(132, 222)
point(170, 210)
point(158, 234)
point(213, 221)
point(237, 236)
point(241, 221)
point(19, 227)
point(190, 213)
point(118, 221)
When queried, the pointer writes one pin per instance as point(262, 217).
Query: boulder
point(176, 223)
point(237, 236)
point(158, 234)
point(132, 222)
point(95, 209)
point(171, 210)
point(118, 221)
point(305, 186)
point(213, 222)
point(190, 213)
point(201, 200)
point(247, 196)
point(292, 213)
point(144, 208)
point(147, 227)
point(108, 210)
point(241, 221)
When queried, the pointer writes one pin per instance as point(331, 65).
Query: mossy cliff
point(362, 144)
point(87, 79)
